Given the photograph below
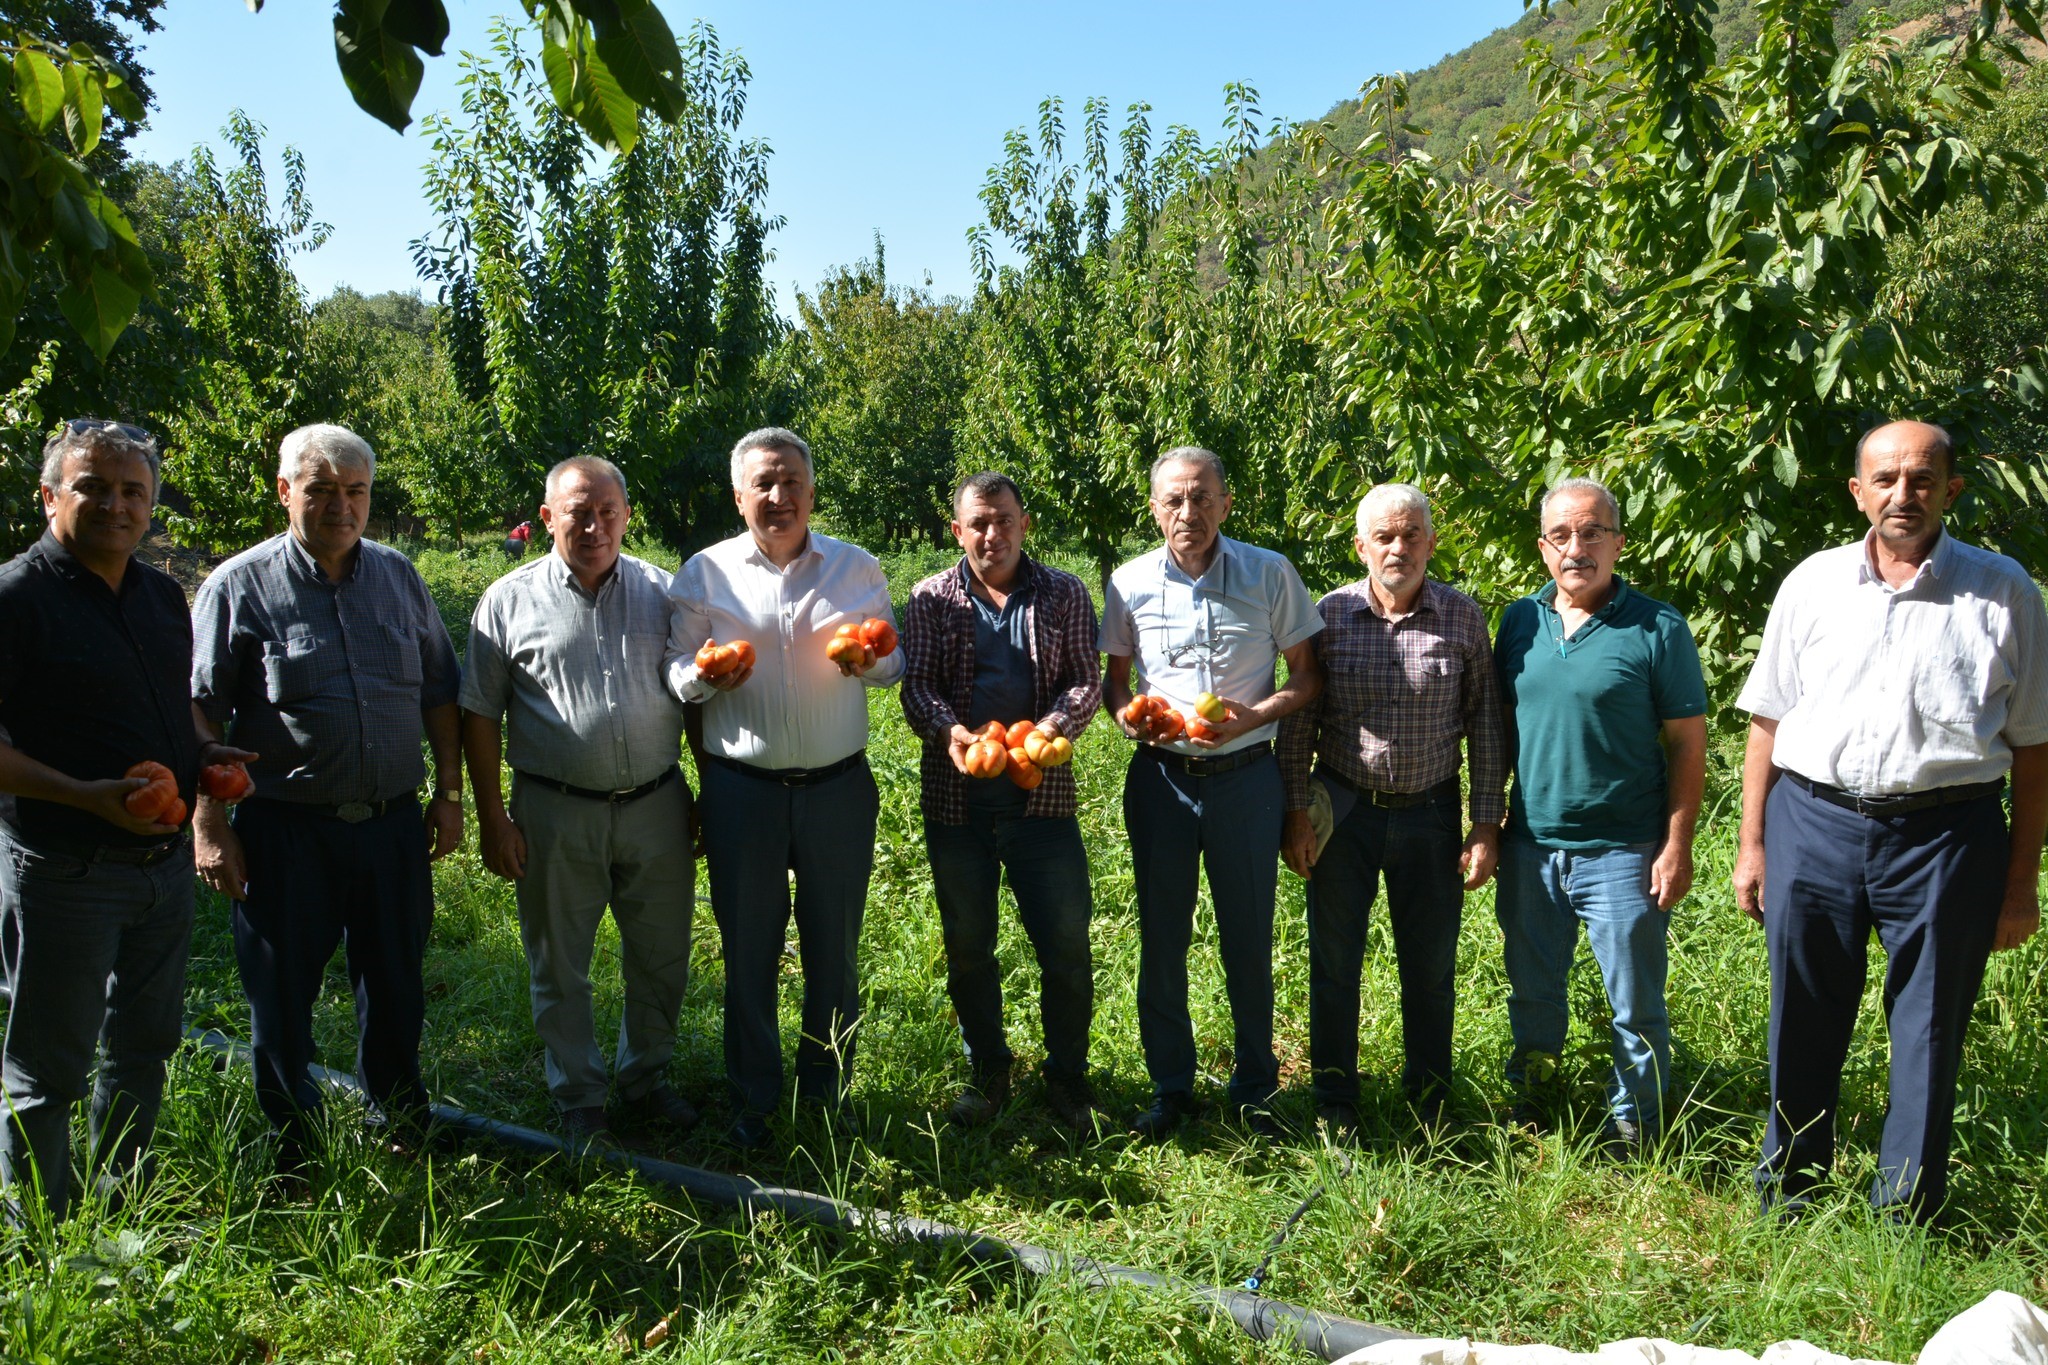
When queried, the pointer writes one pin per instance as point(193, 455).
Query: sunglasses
point(84, 426)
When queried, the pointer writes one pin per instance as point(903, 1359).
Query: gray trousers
point(581, 855)
point(756, 833)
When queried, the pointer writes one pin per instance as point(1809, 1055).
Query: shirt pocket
point(1955, 687)
point(403, 645)
point(294, 667)
point(644, 652)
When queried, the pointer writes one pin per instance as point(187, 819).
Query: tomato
point(716, 660)
point(995, 732)
point(1017, 734)
point(1210, 707)
point(1023, 771)
point(878, 635)
point(986, 758)
point(1200, 729)
point(847, 647)
point(152, 801)
point(225, 781)
point(744, 651)
point(1168, 727)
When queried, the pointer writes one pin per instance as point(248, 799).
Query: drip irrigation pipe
point(1263, 1319)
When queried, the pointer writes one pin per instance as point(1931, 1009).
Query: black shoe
point(588, 1130)
point(1258, 1120)
point(1072, 1101)
point(1623, 1140)
point(1340, 1119)
point(1169, 1109)
point(981, 1099)
point(748, 1132)
point(660, 1107)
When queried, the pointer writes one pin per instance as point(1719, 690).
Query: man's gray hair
point(1565, 487)
point(1194, 455)
point(1383, 498)
point(771, 438)
point(339, 446)
point(591, 466)
point(93, 433)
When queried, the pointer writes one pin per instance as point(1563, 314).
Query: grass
point(1490, 1232)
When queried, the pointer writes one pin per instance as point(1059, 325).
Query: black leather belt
point(792, 777)
point(352, 812)
point(1392, 800)
point(1195, 766)
point(616, 798)
point(141, 855)
point(1905, 803)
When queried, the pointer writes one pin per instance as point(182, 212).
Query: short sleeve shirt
point(325, 680)
point(1588, 712)
point(1884, 691)
point(1223, 632)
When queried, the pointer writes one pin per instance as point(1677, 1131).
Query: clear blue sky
point(883, 117)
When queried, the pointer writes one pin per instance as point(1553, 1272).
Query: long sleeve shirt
point(797, 710)
point(1399, 696)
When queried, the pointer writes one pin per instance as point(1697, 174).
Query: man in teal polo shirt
point(1606, 713)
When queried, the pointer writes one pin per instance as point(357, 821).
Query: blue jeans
point(1416, 850)
point(1048, 870)
point(95, 955)
point(1227, 824)
point(1544, 894)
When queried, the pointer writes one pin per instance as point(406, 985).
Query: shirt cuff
point(684, 682)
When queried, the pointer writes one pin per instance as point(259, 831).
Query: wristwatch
point(449, 794)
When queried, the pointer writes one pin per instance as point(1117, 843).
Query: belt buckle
point(355, 812)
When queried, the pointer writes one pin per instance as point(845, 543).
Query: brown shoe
point(1072, 1102)
point(659, 1108)
point(981, 1100)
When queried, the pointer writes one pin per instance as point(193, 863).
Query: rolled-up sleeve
point(1294, 613)
point(1772, 688)
point(2026, 721)
point(487, 681)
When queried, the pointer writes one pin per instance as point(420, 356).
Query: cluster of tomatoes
point(159, 801)
point(1157, 722)
point(850, 643)
point(715, 660)
point(1020, 750)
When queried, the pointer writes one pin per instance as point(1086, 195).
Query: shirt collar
point(68, 566)
point(1426, 602)
point(301, 559)
point(756, 555)
point(1215, 580)
point(1027, 574)
point(561, 575)
point(1546, 597)
point(1934, 566)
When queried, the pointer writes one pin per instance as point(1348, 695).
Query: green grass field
point(1489, 1231)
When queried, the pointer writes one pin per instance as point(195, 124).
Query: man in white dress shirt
point(781, 749)
point(565, 668)
point(1901, 678)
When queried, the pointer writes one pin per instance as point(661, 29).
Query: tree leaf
point(381, 72)
point(638, 46)
point(39, 88)
point(84, 107)
point(99, 307)
point(421, 23)
point(1785, 464)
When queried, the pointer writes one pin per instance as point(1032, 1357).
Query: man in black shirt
point(95, 666)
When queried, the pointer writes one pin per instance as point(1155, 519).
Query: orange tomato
point(1023, 771)
point(225, 781)
point(716, 660)
point(744, 652)
point(995, 732)
point(846, 647)
point(879, 635)
point(986, 758)
point(1168, 727)
point(1015, 737)
point(151, 802)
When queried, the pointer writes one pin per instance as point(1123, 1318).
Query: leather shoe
point(748, 1132)
point(1623, 1140)
point(587, 1129)
point(660, 1107)
point(1339, 1119)
point(1072, 1101)
point(1170, 1108)
point(981, 1100)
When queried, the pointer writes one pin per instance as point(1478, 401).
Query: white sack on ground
point(2003, 1329)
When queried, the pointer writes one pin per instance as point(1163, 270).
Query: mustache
point(1578, 562)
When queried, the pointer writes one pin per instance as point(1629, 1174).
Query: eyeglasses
point(84, 426)
point(1201, 502)
point(1588, 536)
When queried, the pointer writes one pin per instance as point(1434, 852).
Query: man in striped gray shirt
point(564, 675)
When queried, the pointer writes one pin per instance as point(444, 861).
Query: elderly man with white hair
point(781, 749)
point(1408, 679)
point(323, 653)
point(1607, 709)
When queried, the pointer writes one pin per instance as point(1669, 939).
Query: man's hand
point(1236, 721)
point(1671, 873)
point(106, 797)
point(726, 682)
point(444, 823)
point(2020, 916)
point(213, 751)
point(217, 851)
point(1749, 883)
point(1480, 856)
point(849, 669)
point(502, 844)
point(1297, 842)
point(956, 747)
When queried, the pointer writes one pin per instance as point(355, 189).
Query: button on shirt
point(91, 682)
point(326, 680)
point(577, 674)
point(1883, 691)
point(797, 710)
point(1398, 695)
point(1221, 633)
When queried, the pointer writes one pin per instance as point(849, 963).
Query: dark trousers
point(1048, 870)
point(315, 883)
point(1930, 883)
point(1228, 825)
point(1416, 849)
point(95, 958)
point(756, 832)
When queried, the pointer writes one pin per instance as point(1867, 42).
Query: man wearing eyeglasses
point(95, 653)
point(1606, 709)
point(1206, 614)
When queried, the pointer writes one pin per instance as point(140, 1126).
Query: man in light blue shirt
point(1204, 613)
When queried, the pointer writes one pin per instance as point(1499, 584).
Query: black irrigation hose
point(1263, 1319)
point(1258, 1277)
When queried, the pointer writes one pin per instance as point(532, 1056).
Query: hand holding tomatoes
point(725, 666)
point(1150, 720)
point(857, 647)
point(226, 782)
point(157, 799)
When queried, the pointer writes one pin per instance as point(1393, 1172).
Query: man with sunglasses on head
point(1606, 710)
point(1204, 614)
point(95, 655)
point(325, 653)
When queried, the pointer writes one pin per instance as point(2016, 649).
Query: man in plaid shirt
point(1003, 637)
point(1407, 674)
